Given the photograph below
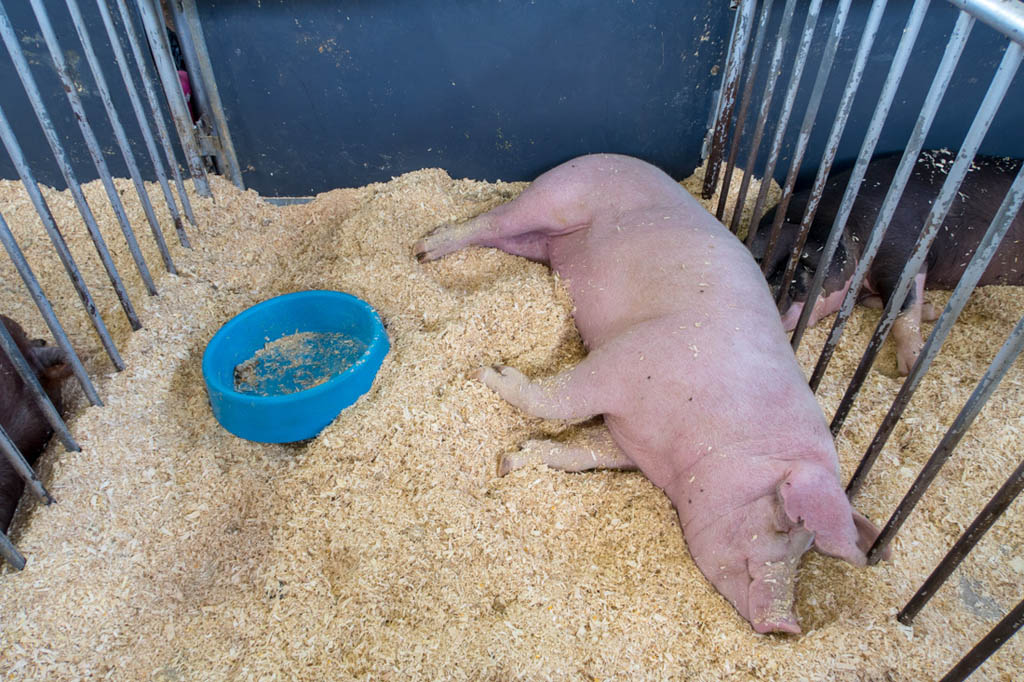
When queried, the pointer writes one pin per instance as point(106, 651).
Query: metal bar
point(874, 131)
point(831, 148)
point(741, 117)
point(36, 292)
point(985, 519)
point(118, 130)
point(50, 132)
point(988, 384)
point(10, 553)
point(50, 225)
point(140, 116)
point(982, 120)
point(1005, 16)
point(975, 269)
point(796, 74)
point(936, 92)
point(9, 450)
point(773, 76)
point(21, 366)
point(157, 114)
point(200, 97)
point(157, 36)
point(91, 143)
point(988, 645)
point(193, 44)
point(803, 138)
point(727, 98)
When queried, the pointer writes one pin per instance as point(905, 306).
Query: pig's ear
point(867, 533)
point(811, 496)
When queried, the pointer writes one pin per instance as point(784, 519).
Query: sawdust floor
point(386, 548)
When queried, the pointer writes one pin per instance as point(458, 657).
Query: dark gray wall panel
point(321, 95)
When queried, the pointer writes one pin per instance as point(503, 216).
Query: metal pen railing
point(1005, 16)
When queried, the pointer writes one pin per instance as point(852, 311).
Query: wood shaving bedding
point(387, 548)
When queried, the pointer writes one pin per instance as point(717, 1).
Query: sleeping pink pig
point(689, 365)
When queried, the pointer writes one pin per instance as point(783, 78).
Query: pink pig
point(690, 367)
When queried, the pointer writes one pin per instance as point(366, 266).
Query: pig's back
point(970, 214)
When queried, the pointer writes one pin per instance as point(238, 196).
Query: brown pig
point(20, 416)
point(690, 368)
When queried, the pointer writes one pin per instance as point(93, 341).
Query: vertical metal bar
point(975, 269)
point(831, 148)
point(157, 113)
point(182, 31)
point(741, 117)
point(91, 143)
point(892, 81)
point(153, 24)
point(985, 519)
point(118, 130)
point(988, 645)
point(773, 76)
point(943, 75)
point(986, 112)
point(50, 132)
point(9, 450)
point(988, 384)
point(10, 553)
point(803, 138)
point(727, 98)
point(50, 225)
point(193, 42)
point(9, 346)
point(140, 116)
point(810, 23)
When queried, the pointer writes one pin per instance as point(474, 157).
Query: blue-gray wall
point(20, 114)
point(355, 92)
point(320, 95)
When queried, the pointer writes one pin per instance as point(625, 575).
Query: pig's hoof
point(501, 378)
point(492, 374)
point(419, 249)
point(905, 360)
point(508, 463)
point(529, 452)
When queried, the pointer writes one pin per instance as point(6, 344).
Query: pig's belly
point(621, 274)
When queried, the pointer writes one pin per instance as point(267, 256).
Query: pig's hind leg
point(590, 448)
point(483, 230)
point(560, 201)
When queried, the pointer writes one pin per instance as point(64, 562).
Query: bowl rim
point(214, 382)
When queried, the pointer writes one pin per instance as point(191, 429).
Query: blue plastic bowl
point(289, 417)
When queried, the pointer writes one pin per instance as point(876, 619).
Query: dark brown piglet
point(690, 368)
point(20, 416)
point(972, 211)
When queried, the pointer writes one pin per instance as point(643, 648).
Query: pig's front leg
point(906, 330)
point(584, 391)
point(592, 448)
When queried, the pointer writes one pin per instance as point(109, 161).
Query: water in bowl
point(297, 362)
